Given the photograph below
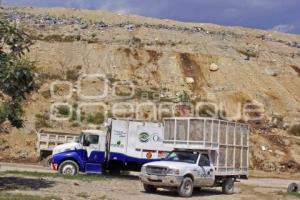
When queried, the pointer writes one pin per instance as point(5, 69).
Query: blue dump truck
point(124, 145)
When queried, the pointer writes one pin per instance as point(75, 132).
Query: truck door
point(206, 172)
point(92, 146)
point(95, 155)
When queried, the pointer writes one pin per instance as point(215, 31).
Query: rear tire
point(293, 187)
point(68, 167)
point(149, 188)
point(228, 186)
point(186, 188)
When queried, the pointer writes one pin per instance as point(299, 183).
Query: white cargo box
point(227, 142)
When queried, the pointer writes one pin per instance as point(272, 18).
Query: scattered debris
point(130, 27)
point(44, 20)
point(277, 121)
point(189, 80)
point(214, 67)
point(296, 69)
point(269, 166)
point(271, 71)
point(84, 26)
point(100, 25)
point(264, 148)
point(250, 52)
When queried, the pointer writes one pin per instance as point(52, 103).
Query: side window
point(93, 139)
point(204, 160)
point(90, 139)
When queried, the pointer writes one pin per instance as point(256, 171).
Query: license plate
point(153, 177)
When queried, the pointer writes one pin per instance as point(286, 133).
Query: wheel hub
point(187, 187)
point(68, 170)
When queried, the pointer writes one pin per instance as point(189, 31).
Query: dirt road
point(129, 187)
point(125, 187)
point(22, 167)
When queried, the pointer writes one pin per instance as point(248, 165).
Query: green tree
point(17, 75)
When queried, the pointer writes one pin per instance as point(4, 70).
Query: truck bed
point(47, 140)
point(227, 142)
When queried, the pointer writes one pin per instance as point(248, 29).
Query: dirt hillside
point(228, 66)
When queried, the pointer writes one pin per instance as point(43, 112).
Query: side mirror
point(86, 143)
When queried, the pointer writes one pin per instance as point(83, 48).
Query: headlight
point(173, 172)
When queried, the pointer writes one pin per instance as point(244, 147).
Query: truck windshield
point(180, 156)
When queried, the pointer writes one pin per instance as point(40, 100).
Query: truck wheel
point(186, 188)
point(228, 186)
point(68, 167)
point(149, 188)
point(293, 187)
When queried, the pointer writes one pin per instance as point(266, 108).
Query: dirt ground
point(129, 187)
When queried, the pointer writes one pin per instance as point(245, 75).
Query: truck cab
point(87, 154)
point(184, 170)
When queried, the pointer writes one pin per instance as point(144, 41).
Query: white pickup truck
point(207, 153)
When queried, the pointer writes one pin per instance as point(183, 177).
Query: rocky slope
point(228, 66)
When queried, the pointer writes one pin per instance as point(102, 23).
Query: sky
point(277, 15)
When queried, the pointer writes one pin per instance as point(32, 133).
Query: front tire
point(228, 186)
point(68, 167)
point(186, 188)
point(149, 188)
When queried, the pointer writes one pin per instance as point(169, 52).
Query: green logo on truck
point(144, 137)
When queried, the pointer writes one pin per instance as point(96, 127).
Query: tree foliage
point(17, 75)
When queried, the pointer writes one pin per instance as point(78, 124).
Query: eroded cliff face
point(228, 66)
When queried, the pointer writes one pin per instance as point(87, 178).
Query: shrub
point(61, 38)
point(184, 97)
point(2, 141)
point(137, 42)
point(42, 121)
point(295, 130)
point(3, 114)
point(248, 53)
point(75, 124)
point(97, 118)
point(207, 111)
point(54, 38)
point(15, 113)
point(46, 94)
point(74, 116)
point(63, 110)
point(73, 74)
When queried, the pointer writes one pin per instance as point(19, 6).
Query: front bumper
point(54, 166)
point(161, 181)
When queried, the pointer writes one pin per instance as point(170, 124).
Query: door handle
point(210, 171)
